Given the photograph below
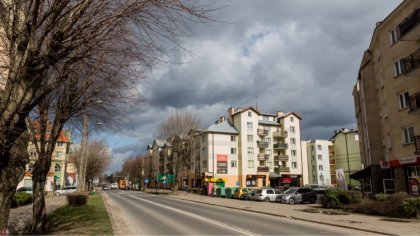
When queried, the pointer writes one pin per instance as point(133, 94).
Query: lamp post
point(81, 180)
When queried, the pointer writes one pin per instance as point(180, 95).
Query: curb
point(283, 216)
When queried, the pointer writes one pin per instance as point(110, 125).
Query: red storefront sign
point(286, 180)
point(400, 162)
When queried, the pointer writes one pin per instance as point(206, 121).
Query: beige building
point(387, 103)
point(316, 162)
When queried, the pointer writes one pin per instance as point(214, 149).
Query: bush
point(78, 199)
point(21, 199)
point(381, 197)
point(412, 207)
point(340, 198)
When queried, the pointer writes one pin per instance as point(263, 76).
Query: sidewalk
point(20, 218)
point(373, 224)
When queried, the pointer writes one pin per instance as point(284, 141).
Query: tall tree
point(175, 128)
point(40, 37)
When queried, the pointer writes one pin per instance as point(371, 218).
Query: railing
point(280, 134)
point(262, 144)
point(280, 146)
point(412, 62)
point(409, 22)
point(281, 158)
point(284, 169)
point(262, 132)
point(261, 157)
point(263, 169)
point(415, 103)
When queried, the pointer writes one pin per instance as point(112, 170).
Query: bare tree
point(134, 168)
point(42, 37)
point(175, 129)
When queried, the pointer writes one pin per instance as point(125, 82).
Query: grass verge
point(91, 219)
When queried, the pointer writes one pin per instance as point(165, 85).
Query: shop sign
point(261, 176)
point(399, 162)
point(208, 174)
point(286, 180)
point(222, 164)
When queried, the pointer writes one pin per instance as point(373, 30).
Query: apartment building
point(62, 171)
point(387, 104)
point(347, 155)
point(316, 156)
point(268, 147)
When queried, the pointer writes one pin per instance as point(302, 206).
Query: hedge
point(21, 199)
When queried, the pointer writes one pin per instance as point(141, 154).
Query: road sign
point(164, 182)
point(146, 181)
point(169, 178)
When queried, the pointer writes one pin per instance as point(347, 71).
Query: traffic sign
point(146, 181)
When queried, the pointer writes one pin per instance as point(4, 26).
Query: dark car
point(249, 195)
point(298, 195)
point(25, 190)
point(105, 187)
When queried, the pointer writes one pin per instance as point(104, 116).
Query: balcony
point(282, 146)
point(412, 64)
point(261, 157)
point(262, 144)
point(415, 104)
point(263, 169)
point(281, 157)
point(409, 29)
point(280, 134)
point(284, 169)
point(262, 132)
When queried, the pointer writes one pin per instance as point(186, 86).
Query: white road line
point(218, 223)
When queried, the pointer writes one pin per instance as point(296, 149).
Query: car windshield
point(291, 190)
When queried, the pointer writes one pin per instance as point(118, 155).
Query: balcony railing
point(262, 144)
point(409, 29)
point(262, 132)
point(281, 158)
point(412, 64)
point(280, 146)
point(415, 103)
point(261, 157)
point(263, 169)
point(280, 134)
point(284, 169)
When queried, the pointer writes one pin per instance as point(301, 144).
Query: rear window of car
point(259, 191)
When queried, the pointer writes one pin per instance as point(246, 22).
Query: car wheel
point(267, 199)
point(313, 200)
point(291, 201)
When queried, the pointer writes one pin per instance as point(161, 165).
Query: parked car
point(267, 194)
point(240, 192)
point(25, 190)
point(249, 195)
point(317, 188)
point(298, 195)
point(114, 186)
point(105, 187)
point(65, 190)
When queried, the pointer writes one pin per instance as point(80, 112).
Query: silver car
point(267, 194)
point(66, 190)
point(297, 195)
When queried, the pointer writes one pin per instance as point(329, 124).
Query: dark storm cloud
point(300, 56)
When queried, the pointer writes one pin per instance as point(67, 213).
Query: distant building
point(316, 154)
point(387, 104)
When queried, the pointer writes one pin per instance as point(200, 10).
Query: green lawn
point(91, 219)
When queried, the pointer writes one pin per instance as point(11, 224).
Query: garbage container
point(220, 192)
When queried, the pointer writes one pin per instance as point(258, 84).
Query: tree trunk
point(39, 211)
point(10, 177)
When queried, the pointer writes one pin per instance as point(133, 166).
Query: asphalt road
point(148, 214)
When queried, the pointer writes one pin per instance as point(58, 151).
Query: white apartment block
point(316, 153)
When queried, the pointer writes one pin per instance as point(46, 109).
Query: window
point(394, 35)
point(292, 129)
point(293, 152)
point(59, 154)
point(270, 164)
point(204, 164)
point(408, 135)
point(233, 138)
point(233, 164)
point(250, 164)
point(250, 152)
point(268, 140)
point(57, 168)
point(320, 168)
point(292, 119)
point(249, 114)
point(250, 138)
point(249, 125)
point(319, 157)
point(60, 144)
point(292, 141)
point(319, 147)
point(294, 164)
point(398, 68)
point(269, 191)
point(404, 100)
point(233, 151)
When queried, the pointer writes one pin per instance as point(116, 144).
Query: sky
point(283, 55)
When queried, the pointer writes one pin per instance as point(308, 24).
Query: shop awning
point(274, 175)
point(361, 174)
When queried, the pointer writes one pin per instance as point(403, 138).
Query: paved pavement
point(373, 224)
point(20, 218)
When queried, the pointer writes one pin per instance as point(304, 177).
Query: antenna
point(256, 101)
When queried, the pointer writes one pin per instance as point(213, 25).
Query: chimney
point(221, 119)
point(231, 111)
point(280, 113)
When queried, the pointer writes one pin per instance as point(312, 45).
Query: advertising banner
point(341, 179)
point(222, 164)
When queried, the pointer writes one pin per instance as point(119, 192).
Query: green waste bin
point(229, 192)
point(220, 192)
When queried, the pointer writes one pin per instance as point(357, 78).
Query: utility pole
point(348, 160)
point(83, 159)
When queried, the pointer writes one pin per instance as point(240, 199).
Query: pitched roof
point(159, 142)
point(222, 127)
point(291, 113)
